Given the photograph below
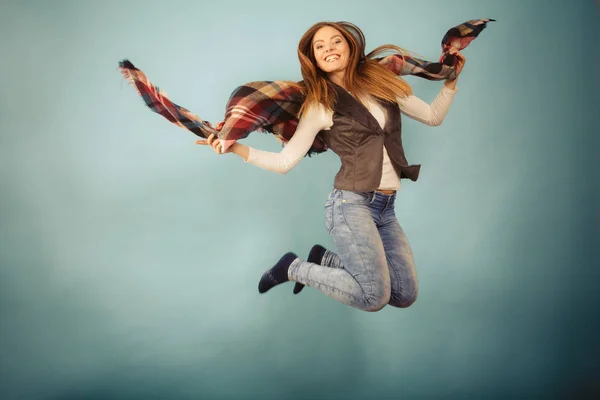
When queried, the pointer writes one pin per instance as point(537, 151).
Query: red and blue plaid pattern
point(272, 106)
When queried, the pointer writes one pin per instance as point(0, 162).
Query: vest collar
point(347, 105)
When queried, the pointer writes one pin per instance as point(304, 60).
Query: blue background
point(129, 256)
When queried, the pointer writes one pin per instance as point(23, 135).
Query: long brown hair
point(363, 75)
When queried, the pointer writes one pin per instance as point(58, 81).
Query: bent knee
point(404, 300)
point(374, 307)
point(376, 301)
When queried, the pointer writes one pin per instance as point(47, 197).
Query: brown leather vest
point(358, 139)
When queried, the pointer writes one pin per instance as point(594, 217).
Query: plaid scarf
point(272, 106)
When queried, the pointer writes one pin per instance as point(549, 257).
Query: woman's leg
point(403, 274)
point(321, 256)
point(364, 281)
point(399, 256)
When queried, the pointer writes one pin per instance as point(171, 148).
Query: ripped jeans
point(374, 264)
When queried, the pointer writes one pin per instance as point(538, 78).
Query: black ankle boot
point(276, 275)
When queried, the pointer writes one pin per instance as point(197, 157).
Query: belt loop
point(373, 194)
point(388, 200)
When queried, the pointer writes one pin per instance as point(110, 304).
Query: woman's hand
point(213, 142)
point(236, 148)
point(460, 60)
point(460, 63)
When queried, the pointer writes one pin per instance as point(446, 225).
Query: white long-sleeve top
point(317, 118)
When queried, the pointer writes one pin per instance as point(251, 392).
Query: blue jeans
point(374, 265)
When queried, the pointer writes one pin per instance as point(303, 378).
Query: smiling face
point(331, 51)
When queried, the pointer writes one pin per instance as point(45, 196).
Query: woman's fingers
point(456, 53)
point(216, 144)
point(213, 142)
point(204, 141)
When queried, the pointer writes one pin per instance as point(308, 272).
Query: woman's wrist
point(451, 83)
point(240, 150)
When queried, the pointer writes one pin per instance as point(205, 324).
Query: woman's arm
point(430, 114)
point(433, 114)
point(314, 120)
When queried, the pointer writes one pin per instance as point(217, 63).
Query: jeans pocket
point(328, 216)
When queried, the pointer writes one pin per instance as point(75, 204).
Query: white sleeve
point(430, 114)
point(314, 120)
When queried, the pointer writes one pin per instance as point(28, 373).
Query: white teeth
point(331, 58)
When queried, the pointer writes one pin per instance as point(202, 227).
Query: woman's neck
point(337, 78)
